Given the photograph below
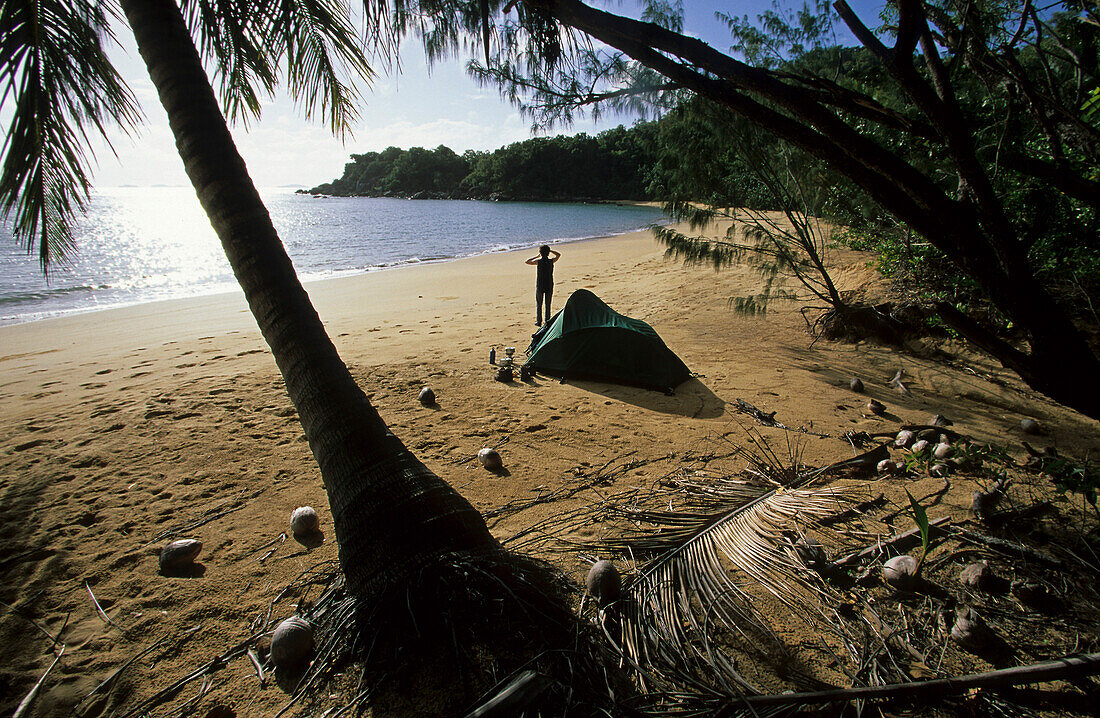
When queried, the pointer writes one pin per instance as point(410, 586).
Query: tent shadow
point(692, 399)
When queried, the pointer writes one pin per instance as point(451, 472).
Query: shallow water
point(151, 243)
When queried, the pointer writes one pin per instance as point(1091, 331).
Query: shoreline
point(16, 320)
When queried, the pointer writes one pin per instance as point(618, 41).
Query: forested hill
point(614, 165)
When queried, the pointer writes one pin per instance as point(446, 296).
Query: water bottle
point(492, 355)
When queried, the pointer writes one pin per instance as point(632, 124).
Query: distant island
point(616, 164)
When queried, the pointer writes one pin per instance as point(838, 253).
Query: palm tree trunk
point(392, 516)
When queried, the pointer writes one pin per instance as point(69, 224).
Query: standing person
point(544, 280)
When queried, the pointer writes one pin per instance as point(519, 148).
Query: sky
point(418, 108)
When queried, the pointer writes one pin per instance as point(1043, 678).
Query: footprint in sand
point(104, 371)
point(33, 443)
point(250, 351)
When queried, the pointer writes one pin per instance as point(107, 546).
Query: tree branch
point(1060, 669)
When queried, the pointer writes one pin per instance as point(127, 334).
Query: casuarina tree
point(912, 145)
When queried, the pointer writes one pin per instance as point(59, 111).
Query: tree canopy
point(614, 165)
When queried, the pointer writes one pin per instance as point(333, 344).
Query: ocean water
point(151, 243)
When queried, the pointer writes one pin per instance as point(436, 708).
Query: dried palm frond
point(731, 546)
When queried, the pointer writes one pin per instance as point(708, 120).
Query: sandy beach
point(125, 427)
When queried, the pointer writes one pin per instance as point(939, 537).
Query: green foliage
point(55, 73)
point(920, 518)
point(612, 165)
point(1081, 477)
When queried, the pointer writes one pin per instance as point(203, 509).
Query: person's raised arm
point(554, 258)
point(533, 260)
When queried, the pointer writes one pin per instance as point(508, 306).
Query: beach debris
point(603, 582)
point(305, 526)
point(1034, 595)
point(897, 383)
point(811, 553)
point(940, 420)
point(1030, 426)
point(900, 572)
point(25, 704)
point(292, 643)
point(504, 374)
point(905, 438)
point(856, 384)
point(928, 435)
point(179, 556)
point(984, 502)
point(427, 396)
point(518, 697)
point(920, 447)
point(876, 407)
point(490, 459)
point(886, 466)
point(979, 576)
point(939, 471)
point(970, 630)
point(944, 449)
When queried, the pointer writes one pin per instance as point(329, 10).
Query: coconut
point(900, 572)
point(292, 643)
point(178, 556)
point(305, 527)
point(886, 466)
point(904, 438)
point(304, 520)
point(1030, 426)
point(943, 450)
point(920, 446)
point(970, 631)
point(490, 459)
point(856, 385)
point(978, 576)
point(427, 396)
point(603, 582)
point(876, 407)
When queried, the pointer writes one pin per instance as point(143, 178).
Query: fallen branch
point(252, 656)
point(110, 679)
point(101, 612)
point(215, 664)
point(1013, 548)
point(29, 698)
point(235, 504)
point(896, 542)
point(16, 612)
point(850, 513)
point(1060, 669)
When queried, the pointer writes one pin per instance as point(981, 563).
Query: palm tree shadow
point(692, 398)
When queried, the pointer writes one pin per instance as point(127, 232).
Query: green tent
point(589, 340)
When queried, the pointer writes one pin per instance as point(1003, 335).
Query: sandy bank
point(125, 427)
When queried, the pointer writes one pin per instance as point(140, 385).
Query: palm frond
point(54, 70)
point(312, 41)
point(730, 545)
